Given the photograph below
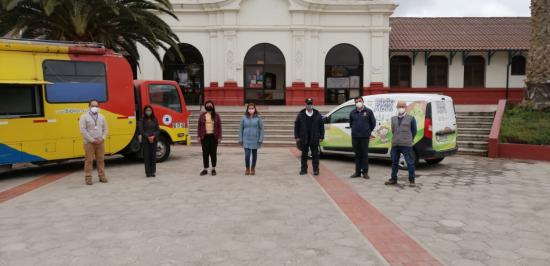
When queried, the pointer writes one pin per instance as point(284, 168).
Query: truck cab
point(170, 110)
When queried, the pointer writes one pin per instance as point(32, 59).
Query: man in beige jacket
point(93, 128)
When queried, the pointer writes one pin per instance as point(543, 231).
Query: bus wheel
point(163, 149)
point(403, 163)
point(434, 161)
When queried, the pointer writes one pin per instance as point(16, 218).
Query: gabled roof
point(459, 33)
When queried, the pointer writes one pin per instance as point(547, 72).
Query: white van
point(435, 117)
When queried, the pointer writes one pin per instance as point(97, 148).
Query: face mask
point(251, 111)
point(309, 107)
point(359, 104)
point(148, 113)
point(94, 109)
point(401, 110)
point(209, 108)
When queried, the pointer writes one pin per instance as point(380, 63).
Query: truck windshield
point(165, 95)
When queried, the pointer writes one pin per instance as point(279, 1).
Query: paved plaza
point(465, 211)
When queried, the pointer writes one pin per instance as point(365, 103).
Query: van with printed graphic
point(45, 87)
point(435, 116)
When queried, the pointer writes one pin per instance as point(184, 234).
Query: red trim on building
point(524, 151)
point(296, 94)
point(229, 94)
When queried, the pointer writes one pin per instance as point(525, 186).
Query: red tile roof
point(460, 33)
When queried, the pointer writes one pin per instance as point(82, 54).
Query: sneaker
point(204, 172)
point(355, 175)
point(316, 172)
point(391, 182)
point(89, 182)
point(213, 172)
point(103, 180)
point(303, 172)
point(153, 175)
point(366, 176)
point(247, 172)
point(412, 184)
point(252, 171)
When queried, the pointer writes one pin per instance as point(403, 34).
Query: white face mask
point(94, 109)
point(359, 104)
point(401, 110)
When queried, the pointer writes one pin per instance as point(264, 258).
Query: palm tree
point(118, 24)
point(538, 63)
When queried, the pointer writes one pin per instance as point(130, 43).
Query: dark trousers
point(314, 154)
point(247, 154)
point(361, 149)
point(209, 150)
point(150, 157)
point(396, 152)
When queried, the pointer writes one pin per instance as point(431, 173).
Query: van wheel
point(434, 161)
point(403, 164)
point(163, 149)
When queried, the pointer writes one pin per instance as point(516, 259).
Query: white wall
point(224, 31)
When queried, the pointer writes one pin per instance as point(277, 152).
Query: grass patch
point(523, 125)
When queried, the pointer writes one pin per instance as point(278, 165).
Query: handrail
point(495, 129)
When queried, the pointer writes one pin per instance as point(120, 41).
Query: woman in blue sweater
point(251, 136)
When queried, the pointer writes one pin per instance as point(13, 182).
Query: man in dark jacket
point(362, 122)
point(309, 130)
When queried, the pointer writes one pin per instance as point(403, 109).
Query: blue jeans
point(396, 151)
point(247, 153)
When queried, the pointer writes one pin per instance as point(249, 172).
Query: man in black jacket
point(309, 130)
point(362, 122)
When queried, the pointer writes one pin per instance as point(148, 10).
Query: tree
point(119, 24)
point(538, 63)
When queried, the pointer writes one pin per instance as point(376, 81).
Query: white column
point(379, 55)
point(297, 63)
point(230, 41)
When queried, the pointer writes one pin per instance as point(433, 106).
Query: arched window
point(343, 73)
point(474, 71)
point(188, 73)
point(519, 65)
point(400, 71)
point(438, 71)
point(264, 74)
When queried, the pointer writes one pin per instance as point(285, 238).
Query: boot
point(247, 172)
point(103, 180)
point(88, 180)
point(253, 171)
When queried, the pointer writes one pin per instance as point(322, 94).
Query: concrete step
point(470, 151)
point(475, 118)
point(474, 131)
point(472, 137)
point(271, 143)
point(475, 114)
point(475, 124)
point(481, 145)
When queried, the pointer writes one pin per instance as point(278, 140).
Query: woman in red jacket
point(210, 135)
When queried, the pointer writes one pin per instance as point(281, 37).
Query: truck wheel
point(434, 161)
point(163, 149)
point(403, 163)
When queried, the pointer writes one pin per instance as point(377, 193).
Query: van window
point(165, 95)
point(20, 101)
point(74, 81)
point(342, 115)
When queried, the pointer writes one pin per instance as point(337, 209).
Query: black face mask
point(209, 108)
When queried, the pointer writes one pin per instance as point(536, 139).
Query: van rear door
point(444, 125)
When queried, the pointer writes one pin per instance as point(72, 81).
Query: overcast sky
point(462, 8)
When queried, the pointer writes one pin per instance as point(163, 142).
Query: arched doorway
point(264, 75)
point(474, 72)
point(188, 73)
point(343, 74)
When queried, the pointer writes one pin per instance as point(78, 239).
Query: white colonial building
point(280, 51)
point(267, 45)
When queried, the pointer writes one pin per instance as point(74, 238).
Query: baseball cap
point(309, 101)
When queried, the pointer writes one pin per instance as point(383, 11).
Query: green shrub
point(523, 125)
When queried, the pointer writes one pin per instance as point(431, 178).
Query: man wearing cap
point(309, 130)
point(362, 123)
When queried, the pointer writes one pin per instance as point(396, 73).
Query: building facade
point(281, 51)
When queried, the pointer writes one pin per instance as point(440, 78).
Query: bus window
point(20, 101)
point(165, 95)
point(75, 81)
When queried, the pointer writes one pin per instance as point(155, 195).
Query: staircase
point(279, 127)
point(473, 129)
point(473, 132)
